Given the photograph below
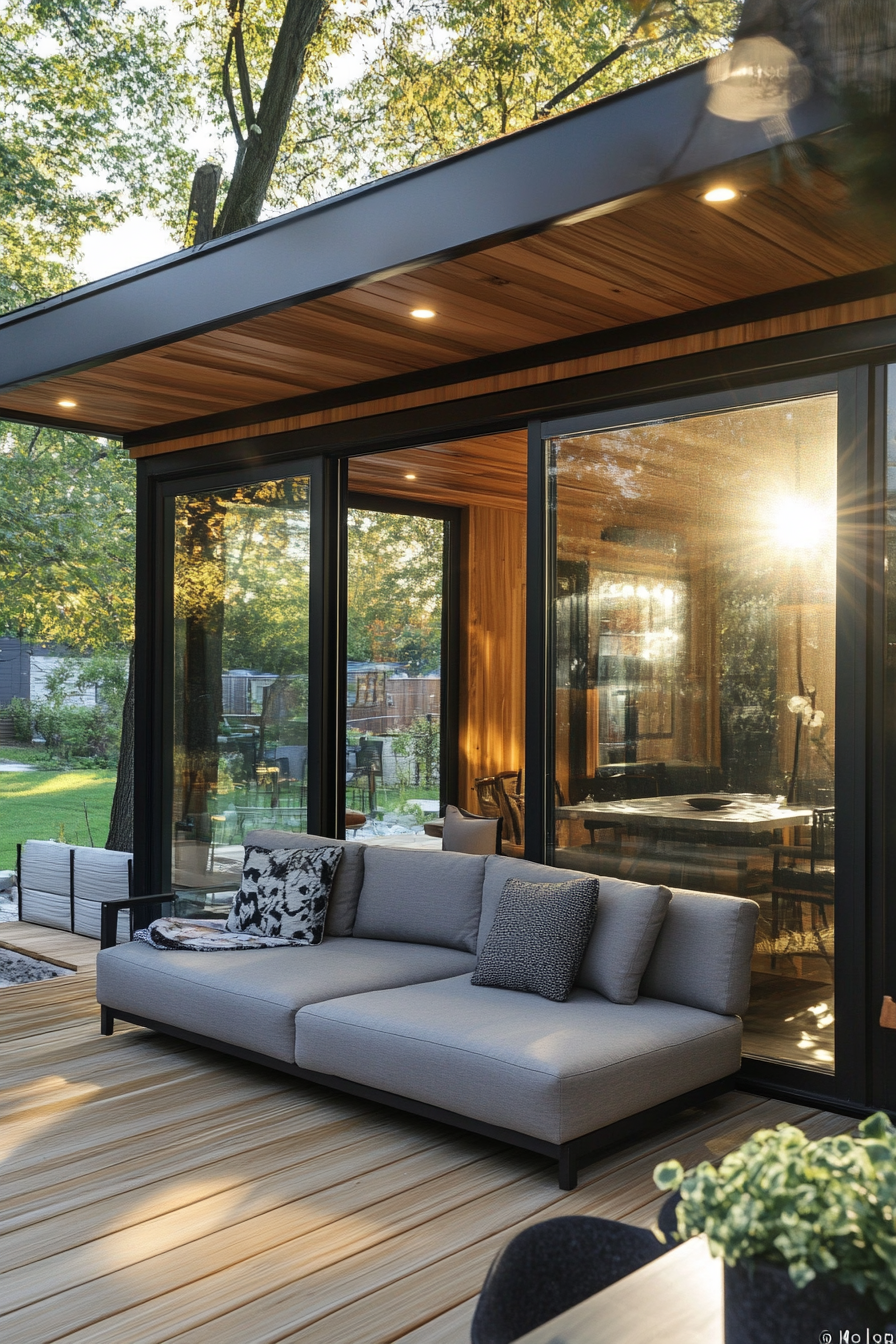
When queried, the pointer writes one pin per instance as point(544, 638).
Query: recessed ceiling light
point(717, 194)
point(422, 312)
point(410, 476)
point(67, 403)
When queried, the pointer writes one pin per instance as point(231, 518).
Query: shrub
point(22, 719)
point(70, 732)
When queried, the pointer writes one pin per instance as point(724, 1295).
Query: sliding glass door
point(692, 627)
point(240, 647)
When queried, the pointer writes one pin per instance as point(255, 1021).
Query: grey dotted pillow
point(539, 936)
point(284, 893)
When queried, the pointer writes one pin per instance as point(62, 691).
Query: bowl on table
point(708, 804)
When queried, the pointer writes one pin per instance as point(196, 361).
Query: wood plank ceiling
point(669, 254)
point(488, 472)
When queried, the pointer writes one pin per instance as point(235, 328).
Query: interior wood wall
point(493, 647)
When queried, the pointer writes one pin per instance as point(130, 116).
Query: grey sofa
point(384, 1007)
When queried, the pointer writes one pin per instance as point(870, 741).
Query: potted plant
point(806, 1229)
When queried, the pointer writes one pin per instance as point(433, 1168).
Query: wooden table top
point(745, 812)
point(676, 1299)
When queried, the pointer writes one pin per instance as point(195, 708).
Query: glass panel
point(395, 575)
point(694, 635)
point(241, 565)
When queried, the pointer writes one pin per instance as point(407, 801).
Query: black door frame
point(856, 584)
point(865, 347)
point(153, 780)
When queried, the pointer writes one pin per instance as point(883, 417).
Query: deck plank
point(155, 1191)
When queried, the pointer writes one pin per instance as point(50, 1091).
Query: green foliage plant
point(22, 719)
point(447, 74)
point(96, 99)
point(419, 742)
point(814, 1207)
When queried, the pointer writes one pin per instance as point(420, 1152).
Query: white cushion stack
point(100, 875)
point(46, 883)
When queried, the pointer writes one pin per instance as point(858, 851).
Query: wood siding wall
point(493, 647)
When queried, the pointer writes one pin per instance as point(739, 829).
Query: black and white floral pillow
point(284, 893)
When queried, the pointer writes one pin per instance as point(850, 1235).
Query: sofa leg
point(568, 1168)
point(107, 1020)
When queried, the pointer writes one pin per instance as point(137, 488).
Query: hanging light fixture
point(758, 79)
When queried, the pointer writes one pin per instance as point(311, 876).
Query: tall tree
point(255, 56)
point(67, 559)
point(439, 76)
point(448, 74)
point(95, 96)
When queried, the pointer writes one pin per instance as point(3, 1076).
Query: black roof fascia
point(589, 159)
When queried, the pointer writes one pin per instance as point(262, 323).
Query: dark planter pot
point(766, 1308)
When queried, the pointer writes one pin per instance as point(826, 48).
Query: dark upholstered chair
point(556, 1264)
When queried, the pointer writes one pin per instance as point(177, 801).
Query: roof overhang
point(592, 161)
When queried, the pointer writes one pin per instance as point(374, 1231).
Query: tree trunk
point(201, 210)
point(199, 604)
point(121, 822)
point(252, 175)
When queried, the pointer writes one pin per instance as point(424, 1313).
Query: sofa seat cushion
point(550, 1070)
point(251, 1000)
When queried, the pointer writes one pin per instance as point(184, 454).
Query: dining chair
point(807, 879)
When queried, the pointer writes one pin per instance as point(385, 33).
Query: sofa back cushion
point(421, 896)
point(702, 955)
point(346, 885)
point(629, 917)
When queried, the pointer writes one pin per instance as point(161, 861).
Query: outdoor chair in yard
point(361, 776)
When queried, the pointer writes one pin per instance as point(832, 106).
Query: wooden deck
point(153, 1191)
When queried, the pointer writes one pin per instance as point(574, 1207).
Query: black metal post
point(539, 697)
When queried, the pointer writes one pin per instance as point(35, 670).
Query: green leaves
point(395, 589)
point(448, 74)
point(668, 1175)
point(94, 98)
point(823, 1207)
point(66, 538)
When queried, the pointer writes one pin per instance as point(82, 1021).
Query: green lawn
point(45, 805)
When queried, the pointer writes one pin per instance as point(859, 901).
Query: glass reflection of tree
point(240, 600)
point(199, 618)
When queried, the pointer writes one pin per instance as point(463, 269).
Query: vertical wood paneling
point(493, 638)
